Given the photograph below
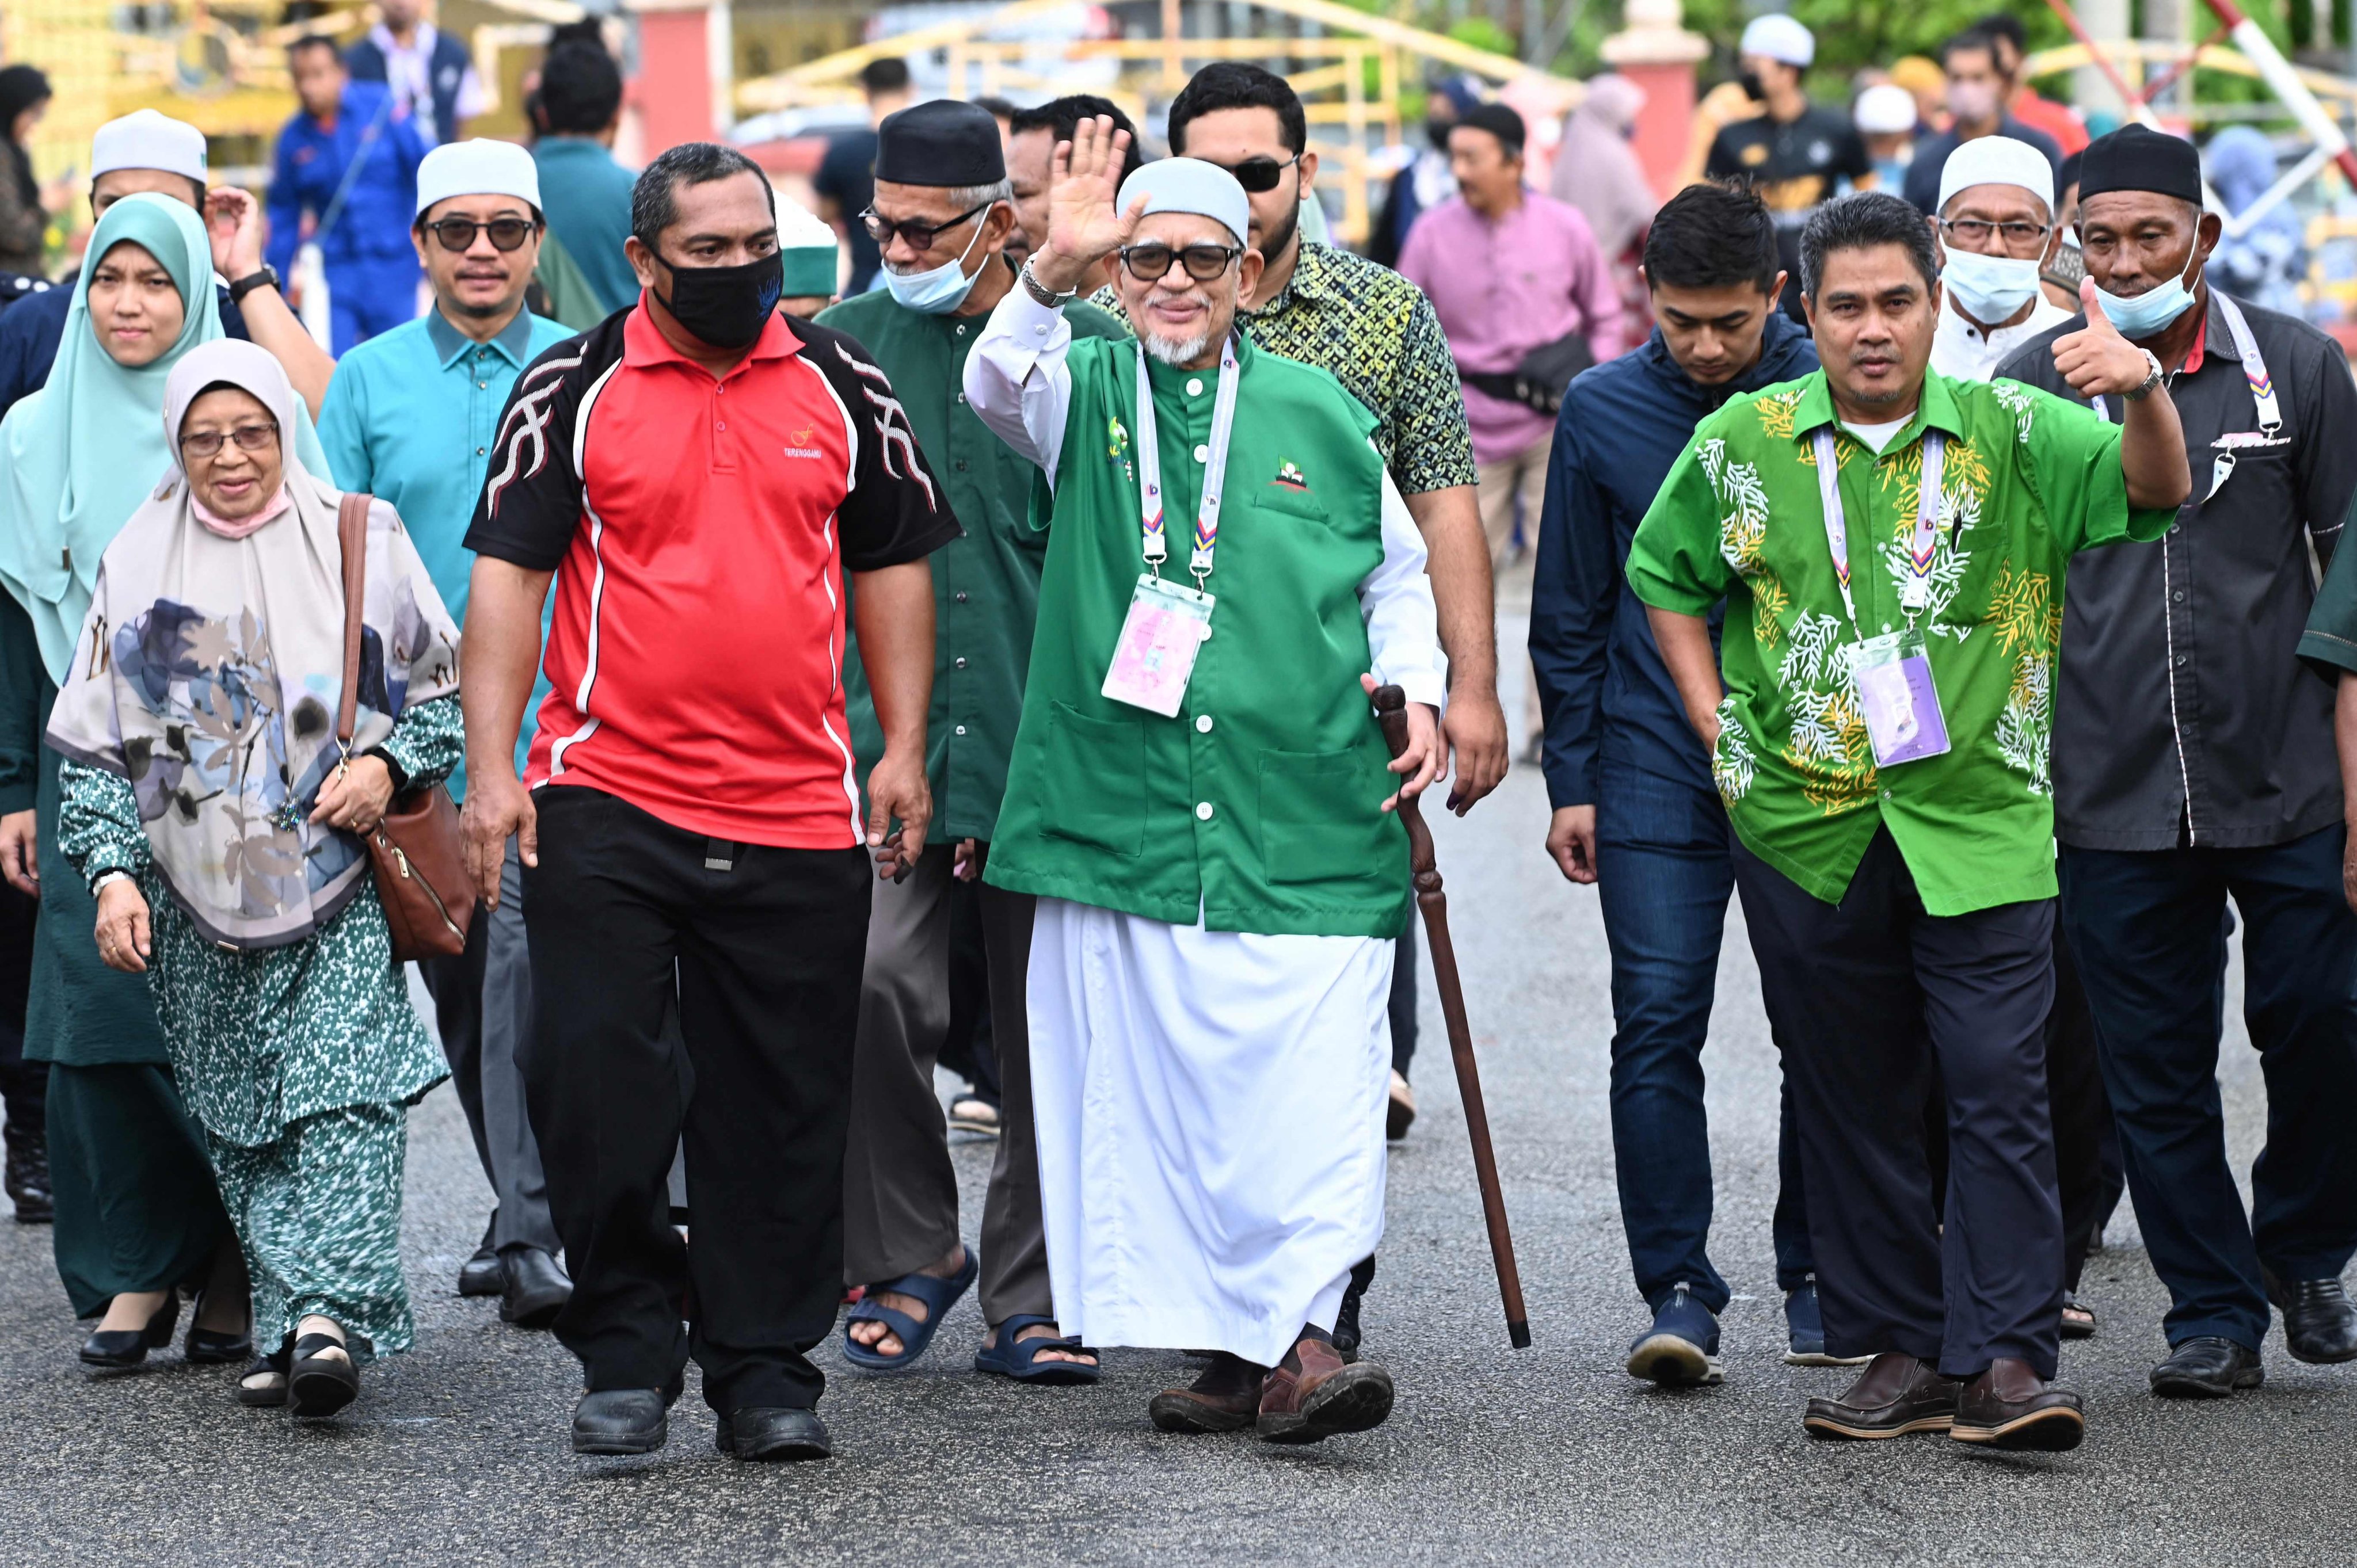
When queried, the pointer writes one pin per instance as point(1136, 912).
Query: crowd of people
point(834, 677)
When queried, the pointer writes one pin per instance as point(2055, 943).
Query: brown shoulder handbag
point(416, 852)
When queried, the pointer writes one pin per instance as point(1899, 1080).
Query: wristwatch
point(112, 874)
point(1041, 292)
point(2153, 376)
point(267, 278)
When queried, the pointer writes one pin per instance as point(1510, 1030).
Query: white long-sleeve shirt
point(1018, 383)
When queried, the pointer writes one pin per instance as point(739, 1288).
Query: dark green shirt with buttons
point(986, 585)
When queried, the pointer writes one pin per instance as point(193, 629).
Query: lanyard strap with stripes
point(2254, 370)
point(1215, 469)
point(1915, 592)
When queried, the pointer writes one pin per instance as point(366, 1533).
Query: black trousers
point(1872, 996)
point(23, 1084)
point(763, 946)
point(2149, 931)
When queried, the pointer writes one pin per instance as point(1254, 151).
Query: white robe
point(1210, 1107)
point(1209, 1104)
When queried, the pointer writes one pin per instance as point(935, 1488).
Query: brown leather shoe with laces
point(1895, 1395)
point(1224, 1399)
point(2010, 1406)
point(1312, 1395)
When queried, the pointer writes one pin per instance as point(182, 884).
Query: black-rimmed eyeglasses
point(919, 236)
point(1973, 232)
point(457, 234)
point(1203, 262)
point(1260, 174)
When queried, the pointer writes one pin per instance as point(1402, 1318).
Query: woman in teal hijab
point(138, 1216)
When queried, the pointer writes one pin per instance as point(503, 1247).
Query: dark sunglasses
point(1257, 175)
point(457, 234)
point(249, 438)
point(919, 236)
point(1203, 262)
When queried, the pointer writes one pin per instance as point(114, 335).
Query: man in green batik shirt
point(1902, 909)
point(941, 216)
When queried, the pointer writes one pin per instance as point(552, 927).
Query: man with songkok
point(941, 217)
point(1200, 802)
point(810, 256)
point(1995, 230)
point(2194, 763)
point(1891, 546)
point(147, 151)
point(410, 416)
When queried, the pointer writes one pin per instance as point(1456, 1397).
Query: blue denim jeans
point(1664, 870)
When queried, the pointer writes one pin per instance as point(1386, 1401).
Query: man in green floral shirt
point(1881, 739)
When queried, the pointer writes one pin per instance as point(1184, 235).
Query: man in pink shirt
point(1523, 291)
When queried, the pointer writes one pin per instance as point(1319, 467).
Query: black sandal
point(317, 1384)
point(272, 1392)
point(2078, 1318)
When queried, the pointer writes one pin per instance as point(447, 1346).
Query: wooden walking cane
point(1391, 712)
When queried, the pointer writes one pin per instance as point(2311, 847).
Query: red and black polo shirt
point(700, 530)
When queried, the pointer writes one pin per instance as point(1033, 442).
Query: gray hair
point(966, 195)
point(1861, 222)
point(654, 200)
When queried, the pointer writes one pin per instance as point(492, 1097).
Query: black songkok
point(1500, 121)
point(943, 142)
point(2137, 158)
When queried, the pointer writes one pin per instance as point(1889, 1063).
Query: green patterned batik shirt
point(2027, 480)
point(1377, 333)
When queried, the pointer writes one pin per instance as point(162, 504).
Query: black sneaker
point(27, 1180)
point(1681, 1350)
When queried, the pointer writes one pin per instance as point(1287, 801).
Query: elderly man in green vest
point(1200, 802)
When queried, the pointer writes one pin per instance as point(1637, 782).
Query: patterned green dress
point(298, 1063)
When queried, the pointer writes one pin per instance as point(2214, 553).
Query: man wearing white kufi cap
point(1997, 232)
point(145, 151)
point(1795, 153)
point(410, 417)
point(1201, 803)
point(810, 253)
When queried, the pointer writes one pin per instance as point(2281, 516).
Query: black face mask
point(1753, 86)
point(1436, 130)
point(725, 307)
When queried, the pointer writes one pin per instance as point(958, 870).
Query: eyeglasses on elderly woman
point(260, 436)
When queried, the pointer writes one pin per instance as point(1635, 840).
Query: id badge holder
point(1159, 639)
point(1903, 723)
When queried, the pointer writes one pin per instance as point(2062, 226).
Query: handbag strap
point(352, 539)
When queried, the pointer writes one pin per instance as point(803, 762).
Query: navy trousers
point(1874, 995)
point(2149, 933)
point(1663, 874)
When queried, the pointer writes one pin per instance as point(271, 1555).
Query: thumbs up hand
point(2095, 359)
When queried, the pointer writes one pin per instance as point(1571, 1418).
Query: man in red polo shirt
point(701, 475)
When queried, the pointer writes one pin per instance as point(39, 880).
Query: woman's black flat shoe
point(119, 1349)
point(212, 1346)
point(320, 1385)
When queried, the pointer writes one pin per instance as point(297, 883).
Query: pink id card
point(1155, 656)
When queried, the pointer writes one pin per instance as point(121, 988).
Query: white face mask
point(937, 291)
point(1989, 289)
point(2150, 313)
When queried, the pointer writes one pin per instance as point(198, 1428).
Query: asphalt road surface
point(457, 1451)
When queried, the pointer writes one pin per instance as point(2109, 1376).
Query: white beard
point(1175, 351)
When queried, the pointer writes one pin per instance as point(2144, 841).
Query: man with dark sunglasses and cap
point(942, 216)
point(2193, 763)
point(410, 416)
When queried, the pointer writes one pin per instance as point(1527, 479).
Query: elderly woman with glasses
point(217, 819)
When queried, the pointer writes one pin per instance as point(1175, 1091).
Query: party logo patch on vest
point(802, 446)
point(1290, 478)
point(1117, 449)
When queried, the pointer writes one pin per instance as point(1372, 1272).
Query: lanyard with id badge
point(1895, 690)
point(1168, 622)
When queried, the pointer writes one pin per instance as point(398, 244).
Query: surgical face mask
point(1436, 131)
point(937, 291)
point(725, 307)
point(1752, 86)
point(1989, 289)
point(1972, 101)
point(2149, 313)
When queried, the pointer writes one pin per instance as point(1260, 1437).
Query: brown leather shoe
point(2009, 1406)
point(1896, 1394)
point(1312, 1395)
point(1224, 1399)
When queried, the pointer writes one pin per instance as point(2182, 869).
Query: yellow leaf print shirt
point(2027, 480)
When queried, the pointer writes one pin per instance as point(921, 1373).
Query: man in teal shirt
point(411, 416)
point(587, 193)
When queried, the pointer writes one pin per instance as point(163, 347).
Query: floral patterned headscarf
point(209, 670)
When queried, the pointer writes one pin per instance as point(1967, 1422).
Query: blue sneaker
point(1681, 1350)
point(1805, 1321)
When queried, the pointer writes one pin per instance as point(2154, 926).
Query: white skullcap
point(1778, 37)
point(1884, 109)
point(1998, 160)
point(808, 245)
point(476, 167)
point(148, 140)
point(1189, 185)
